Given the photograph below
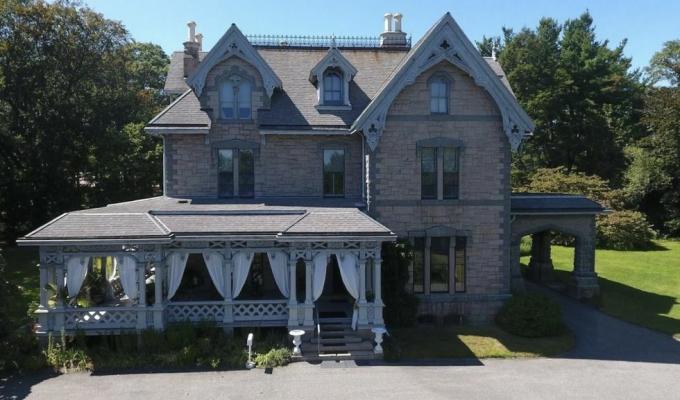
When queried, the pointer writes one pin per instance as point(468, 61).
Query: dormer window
point(439, 94)
point(331, 76)
point(235, 98)
point(332, 87)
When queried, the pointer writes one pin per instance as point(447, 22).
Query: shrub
point(558, 180)
point(624, 230)
point(180, 335)
point(277, 357)
point(401, 307)
point(65, 358)
point(531, 315)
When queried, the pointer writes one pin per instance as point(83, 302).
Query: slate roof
point(174, 82)
point(185, 111)
point(163, 219)
point(294, 106)
point(553, 203)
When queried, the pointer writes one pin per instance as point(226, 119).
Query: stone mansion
point(288, 163)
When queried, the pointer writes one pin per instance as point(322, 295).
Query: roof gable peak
point(444, 41)
point(332, 59)
point(233, 44)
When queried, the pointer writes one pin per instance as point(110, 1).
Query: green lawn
point(425, 342)
point(639, 286)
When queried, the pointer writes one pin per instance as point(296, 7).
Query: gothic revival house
point(288, 163)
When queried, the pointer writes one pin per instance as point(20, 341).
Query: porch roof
point(165, 219)
point(553, 203)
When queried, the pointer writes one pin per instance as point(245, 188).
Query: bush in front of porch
point(401, 307)
point(182, 346)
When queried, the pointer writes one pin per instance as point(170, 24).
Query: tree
point(582, 96)
point(665, 64)
point(71, 83)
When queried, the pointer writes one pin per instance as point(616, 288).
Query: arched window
point(332, 87)
point(235, 98)
point(439, 95)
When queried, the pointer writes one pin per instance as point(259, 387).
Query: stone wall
point(482, 211)
point(285, 165)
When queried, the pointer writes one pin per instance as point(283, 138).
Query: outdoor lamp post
point(249, 342)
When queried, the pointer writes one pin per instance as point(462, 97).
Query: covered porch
point(227, 264)
point(542, 216)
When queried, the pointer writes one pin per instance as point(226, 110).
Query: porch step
point(337, 333)
point(353, 355)
point(336, 348)
point(336, 339)
point(337, 320)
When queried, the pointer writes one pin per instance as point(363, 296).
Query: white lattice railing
point(194, 311)
point(100, 318)
point(260, 310)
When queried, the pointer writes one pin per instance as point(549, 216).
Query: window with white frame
point(235, 173)
point(439, 173)
point(439, 95)
point(439, 264)
point(235, 98)
point(332, 87)
point(334, 172)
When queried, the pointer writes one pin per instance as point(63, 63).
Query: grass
point(642, 287)
point(428, 342)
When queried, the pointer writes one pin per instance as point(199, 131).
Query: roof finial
point(493, 51)
point(333, 44)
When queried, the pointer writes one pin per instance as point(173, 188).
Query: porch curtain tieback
point(76, 271)
point(242, 261)
point(278, 261)
point(215, 262)
point(176, 264)
point(128, 275)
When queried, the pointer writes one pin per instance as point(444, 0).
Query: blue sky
point(646, 24)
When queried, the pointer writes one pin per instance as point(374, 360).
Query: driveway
point(611, 359)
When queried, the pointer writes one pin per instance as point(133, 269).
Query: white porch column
point(59, 317)
point(228, 318)
point(141, 296)
point(363, 305)
point(158, 297)
point(309, 303)
point(377, 291)
point(41, 312)
point(292, 299)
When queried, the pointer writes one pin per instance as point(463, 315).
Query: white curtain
point(176, 264)
point(76, 271)
point(114, 270)
point(320, 262)
point(348, 271)
point(242, 262)
point(278, 261)
point(128, 276)
point(214, 263)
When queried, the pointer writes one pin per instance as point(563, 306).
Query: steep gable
point(233, 44)
point(444, 41)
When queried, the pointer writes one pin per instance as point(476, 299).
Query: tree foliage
point(580, 93)
point(665, 64)
point(74, 91)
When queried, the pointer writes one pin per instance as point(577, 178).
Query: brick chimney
point(393, 35)
point(192, 48)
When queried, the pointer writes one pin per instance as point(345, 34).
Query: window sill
point(341, 107)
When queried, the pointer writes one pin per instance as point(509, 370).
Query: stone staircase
point(337, 340)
